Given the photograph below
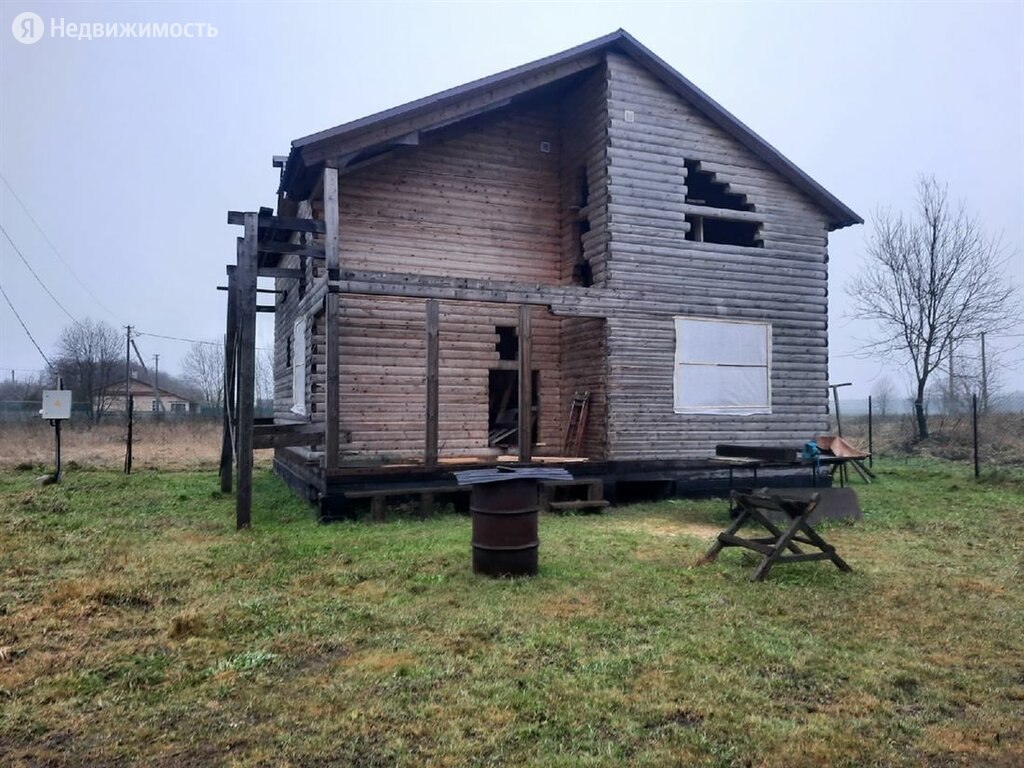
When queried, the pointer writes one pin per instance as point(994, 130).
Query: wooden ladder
point(576, 428)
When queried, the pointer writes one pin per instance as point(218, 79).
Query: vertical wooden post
point(433, 355)
point(525, 384)
point(227, 445)
point(128, 400)
point(332, 248)
point(245, 277)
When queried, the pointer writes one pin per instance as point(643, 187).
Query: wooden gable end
point(653, 134)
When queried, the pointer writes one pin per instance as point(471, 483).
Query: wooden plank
point(433, 357)
point(266, 221)
point(525, 384)
point(282, 273)
point(332, 245)
point(246, 293)
point(301, 249)
point(285, 435)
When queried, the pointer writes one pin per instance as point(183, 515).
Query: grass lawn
point(136, 626)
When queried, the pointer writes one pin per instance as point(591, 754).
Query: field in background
point(171, 445)
point(195, 444)
point(138, 627)
point(1000, 438)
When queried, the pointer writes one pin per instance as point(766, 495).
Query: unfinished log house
point(451, 273)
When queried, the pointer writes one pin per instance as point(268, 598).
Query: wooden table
point(781, 546)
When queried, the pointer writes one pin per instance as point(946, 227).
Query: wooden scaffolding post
point(245, 286)
point(332, 246)
point(525, 384)
point(433, 353)
point(227, 446)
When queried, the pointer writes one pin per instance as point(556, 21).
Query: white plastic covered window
point(299, 367)
point(722, 367)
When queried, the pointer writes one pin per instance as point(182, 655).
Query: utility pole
point(128, 404)
point(156, 383)
point(984, 377)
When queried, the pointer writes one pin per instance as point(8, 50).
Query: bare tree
point(203, 368)
point(264, 378)
point(933, 280)
point(88, 357)
point(882, 395)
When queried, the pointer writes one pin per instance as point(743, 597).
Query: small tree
point(933, 280)
point(88, 355)
point(203, 368)
point(882, 395)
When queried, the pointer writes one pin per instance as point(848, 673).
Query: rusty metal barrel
point(505, 540)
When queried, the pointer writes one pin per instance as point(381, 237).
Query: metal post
point(974, 420)
point(56, 429)
point(835, 396)
point(984, 377)
point(156, 383)
point(871, 435)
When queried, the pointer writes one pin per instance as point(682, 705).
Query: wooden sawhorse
point(755, 508)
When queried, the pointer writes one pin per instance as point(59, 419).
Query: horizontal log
point(267, 221)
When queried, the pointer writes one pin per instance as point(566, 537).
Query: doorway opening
point(503, 408)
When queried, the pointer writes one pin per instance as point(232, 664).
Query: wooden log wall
point(585, 368)
point(784, 283)
point(383, 374)
point(481, 201)
point(584, 135)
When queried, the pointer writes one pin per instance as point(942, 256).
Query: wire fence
point(991, 442)
point(27, 412)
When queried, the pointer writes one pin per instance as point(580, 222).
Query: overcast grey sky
point(129, 152)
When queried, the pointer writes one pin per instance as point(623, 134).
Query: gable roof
point(140, 387)
point(396, 124)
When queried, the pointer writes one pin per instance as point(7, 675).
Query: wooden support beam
point(281, 272)
point(267, 221)
point(245, 277)
point(332, 250)
point(433, 357)
point(227, 446)
point(721, 213)
point(278, 249)
point(263, 308)
point(525, 384)
point(583, 302)
point(286, 435)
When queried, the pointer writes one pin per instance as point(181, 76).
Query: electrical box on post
point(56, 404)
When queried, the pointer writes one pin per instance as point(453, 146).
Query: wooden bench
point(756, 508)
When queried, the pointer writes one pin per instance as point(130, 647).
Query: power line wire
point(25, 327)
point(178, 338)
point(192, 341)
point(38, 279)
point(53, 248)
